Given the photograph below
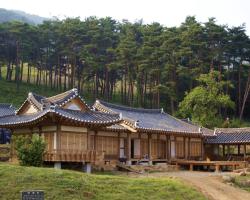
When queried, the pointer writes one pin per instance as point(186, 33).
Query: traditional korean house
point(67, 124)
point(154, 135)
point(105, 133)
point(229, 144)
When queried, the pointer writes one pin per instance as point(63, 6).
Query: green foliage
point(203, 103)
point(65, 184)
point(137, 64)
point(30, 150)
point(235, 123)
point(243, 182)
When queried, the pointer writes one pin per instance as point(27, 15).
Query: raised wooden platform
point(216, 164)
point(73, 156)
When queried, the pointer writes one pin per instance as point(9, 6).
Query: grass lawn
point(243, 182)
point(65, 184)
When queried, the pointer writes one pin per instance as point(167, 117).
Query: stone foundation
point(160, 167)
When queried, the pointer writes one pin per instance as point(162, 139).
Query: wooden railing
point(73, 156)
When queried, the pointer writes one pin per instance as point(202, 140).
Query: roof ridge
point(233, 128)
point(190, 124)
point(61, 94)
point(112, 105)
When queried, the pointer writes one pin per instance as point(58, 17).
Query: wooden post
point(158, 146)
point(118, 150)
point(184, 147)
point(149, 146)
point(191, 167)
point(58, 130)
point(140, 156)
point(95, 136)
point(228, 150)
point(188, 148)
point(244, 151)
point(223, 147)
point(217, 168)
point(128, 149)
point(202, 149)
point(238, 149)
point(167, 148)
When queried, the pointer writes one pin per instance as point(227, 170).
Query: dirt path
point(209, 184)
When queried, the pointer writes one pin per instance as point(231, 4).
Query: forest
point(135, 64)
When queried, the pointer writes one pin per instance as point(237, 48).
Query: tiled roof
point(88, 117)
point(6, 110)
point(205, 131)
point(232, 130)
point(61, 99)
point(148, 119)
point(230, 136)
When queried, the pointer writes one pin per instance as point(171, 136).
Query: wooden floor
point(217, 164)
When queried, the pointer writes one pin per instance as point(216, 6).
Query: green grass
point(65, 184)
point(9, 94)
point(240, 181)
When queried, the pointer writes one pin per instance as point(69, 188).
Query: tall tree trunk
point(239, 89)
point(28, 74)
point(17, 75)
point(21, 74)
point(247, 89)
point(0, 72)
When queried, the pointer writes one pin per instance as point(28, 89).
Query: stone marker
point(32, 195)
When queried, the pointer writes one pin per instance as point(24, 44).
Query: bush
point(30, 150)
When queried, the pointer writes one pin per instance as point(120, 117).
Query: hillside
point(16, 15)
point(8, 93)
point(64, 184)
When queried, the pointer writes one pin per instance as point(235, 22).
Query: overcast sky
point(166, 12)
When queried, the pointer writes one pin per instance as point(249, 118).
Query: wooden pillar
point(128, 152)
point(223, 149)
point(188, 148)
point(202, 149)
point(140, 156)
point(88, 140)
point(238, 149)
point(58, 130)
point(118, 149)
point(217, 168)
point(95, 143)
point(149, 146)
point(191, 167)
point(184, 147)
point(228, 150)
point(244, 151)
point(55, 141)
point(158, 146)
point(40, 131)
point(167, 148)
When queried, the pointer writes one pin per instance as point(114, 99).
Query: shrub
point(30, 150)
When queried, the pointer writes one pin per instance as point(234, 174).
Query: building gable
point(75, 104)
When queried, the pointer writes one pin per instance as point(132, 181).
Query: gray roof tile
point(6, 110)
point(148, 119)
point(88, 117)
point(230, 136)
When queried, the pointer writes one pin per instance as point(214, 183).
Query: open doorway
point(135, 148)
